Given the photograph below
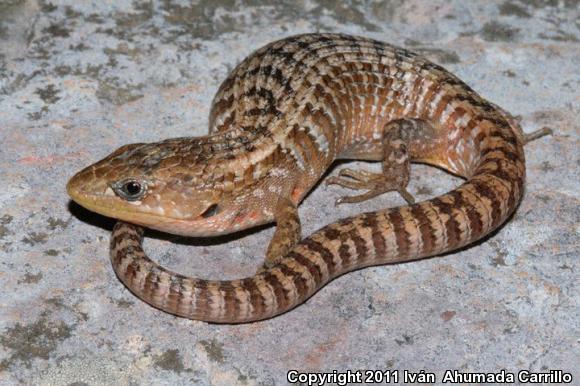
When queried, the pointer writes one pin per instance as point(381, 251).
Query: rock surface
point(79, 79)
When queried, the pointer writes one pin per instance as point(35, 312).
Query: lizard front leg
point(288, 232)
point(396, 165)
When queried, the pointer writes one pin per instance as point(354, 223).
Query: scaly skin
point(278, 122)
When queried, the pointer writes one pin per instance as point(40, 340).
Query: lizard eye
point(211, 211)
point(130, 189)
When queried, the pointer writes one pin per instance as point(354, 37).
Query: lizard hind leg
point(397, 136)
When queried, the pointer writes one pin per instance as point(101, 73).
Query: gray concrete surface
point(79, 78)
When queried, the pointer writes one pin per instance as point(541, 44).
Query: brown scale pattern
point(305, 101)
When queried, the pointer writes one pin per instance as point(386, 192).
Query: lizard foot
point(396, 165)
point(375, 183)
point(537, 134)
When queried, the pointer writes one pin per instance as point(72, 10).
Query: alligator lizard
point(278, 122)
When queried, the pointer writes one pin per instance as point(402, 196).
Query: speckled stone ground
point(78, 79)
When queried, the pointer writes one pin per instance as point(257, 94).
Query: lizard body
point(277, 123)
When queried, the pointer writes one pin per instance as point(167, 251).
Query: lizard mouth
point(107, 204)
point(104, 205)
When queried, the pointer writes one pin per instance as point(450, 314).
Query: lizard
point(277, 123)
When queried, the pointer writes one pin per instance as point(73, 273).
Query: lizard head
point(166, 186)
